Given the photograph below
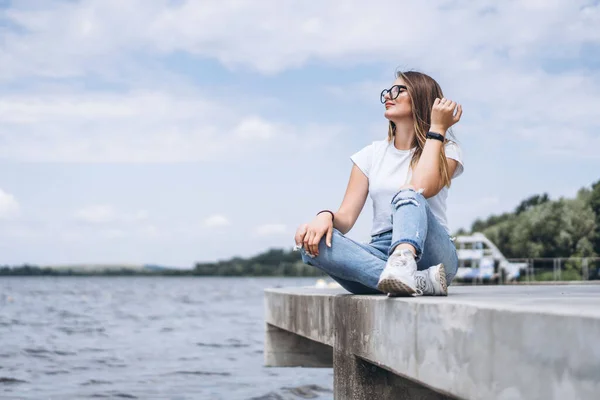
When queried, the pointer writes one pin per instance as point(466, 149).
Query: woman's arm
point(353, 202)
point(309, 235)
point(426, 174)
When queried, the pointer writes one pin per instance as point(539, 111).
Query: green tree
point(542, 228)
point(533, 201)
point(594, 202)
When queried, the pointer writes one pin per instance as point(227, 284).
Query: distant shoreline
point(263, 271)
point(273, 262)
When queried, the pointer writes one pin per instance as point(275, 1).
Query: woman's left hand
point(443, 116)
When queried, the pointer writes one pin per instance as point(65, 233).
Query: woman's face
point(400, 107)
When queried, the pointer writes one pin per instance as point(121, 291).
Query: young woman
point(407, 176)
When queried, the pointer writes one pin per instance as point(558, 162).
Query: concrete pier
point(493, 342)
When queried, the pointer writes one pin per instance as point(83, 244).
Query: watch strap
point(435, 135)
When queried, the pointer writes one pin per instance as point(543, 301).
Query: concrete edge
point(479, 304)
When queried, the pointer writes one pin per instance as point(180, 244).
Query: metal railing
point(540, 270)
point(560, 269)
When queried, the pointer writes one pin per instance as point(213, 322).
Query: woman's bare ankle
point(406, 246)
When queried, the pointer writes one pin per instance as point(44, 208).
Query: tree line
point(540, 227)
point(274, 262)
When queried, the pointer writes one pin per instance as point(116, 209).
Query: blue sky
point(180, 131)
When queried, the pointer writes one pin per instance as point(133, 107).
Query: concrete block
point(286, 349)
point(358, 379)
point(483, 343)
point(307, 314)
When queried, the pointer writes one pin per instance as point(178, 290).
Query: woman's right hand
point(309, 235)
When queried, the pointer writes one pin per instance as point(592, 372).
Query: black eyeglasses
point(394, 91)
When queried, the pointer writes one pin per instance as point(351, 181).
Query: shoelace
point(421, 284)
point(420, 281)
point(400, 262)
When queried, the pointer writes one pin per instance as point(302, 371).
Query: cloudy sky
point(172, 132)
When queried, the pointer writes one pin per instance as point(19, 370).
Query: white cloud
point(255, 128)
point(216, 221)
point(367, 91)
point(150, 231)
point(271, 229)
point(9, 206)
point(95, 127)
point(140, 215)
point(113, 233)
point(547, 113)
point(114, 223)
point(138, 126)
point(273, 35)
point(96, 214)
point(495, 73)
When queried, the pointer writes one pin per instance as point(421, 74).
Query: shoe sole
point(395, 287)
point(441, 274)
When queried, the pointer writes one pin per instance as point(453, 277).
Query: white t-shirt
point(388, 169)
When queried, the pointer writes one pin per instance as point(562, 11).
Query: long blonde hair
point(423, 91)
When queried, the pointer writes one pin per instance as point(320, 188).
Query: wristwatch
point(435, 135)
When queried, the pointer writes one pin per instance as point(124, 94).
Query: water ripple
point(57, 372)
point(233, 344)
point(4, 380)
point(307, 391)
point(95, 382)
point(124, 395)
point(268, 396)
point(201, 373)
point(44, 353)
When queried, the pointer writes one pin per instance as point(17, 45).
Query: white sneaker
point(398, 276)
point(432, 281)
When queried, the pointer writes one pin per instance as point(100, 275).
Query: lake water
point(143, 337)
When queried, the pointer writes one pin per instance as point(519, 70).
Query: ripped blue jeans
point(357, 266)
